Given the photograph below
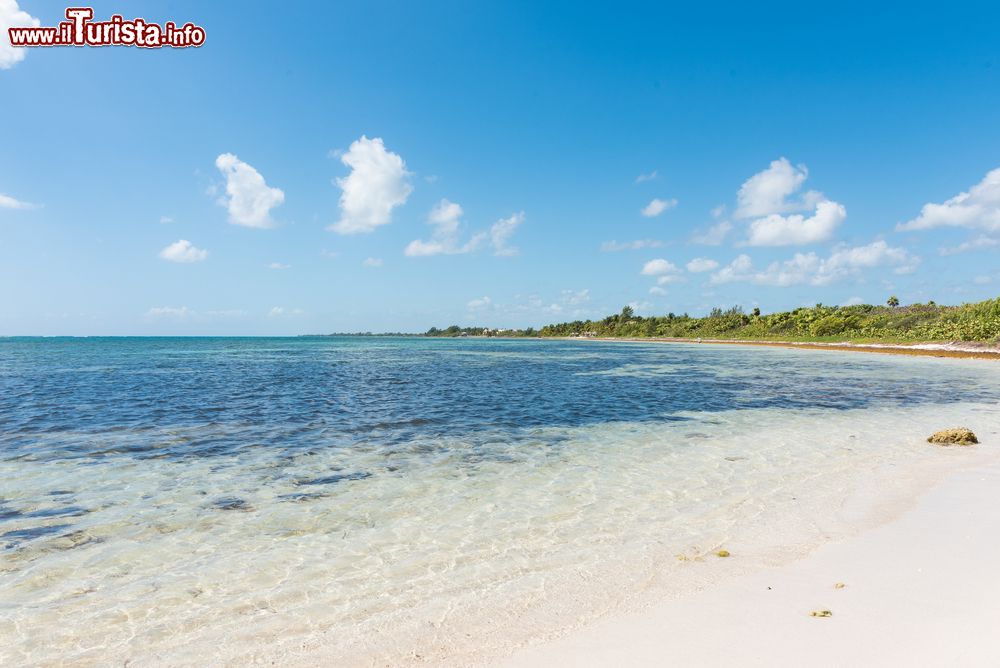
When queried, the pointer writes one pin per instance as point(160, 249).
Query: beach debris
point(722, 553)
point(839, 585)
point(821, 613)
point(957, 436)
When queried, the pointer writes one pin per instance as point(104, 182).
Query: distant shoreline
point(956, 349)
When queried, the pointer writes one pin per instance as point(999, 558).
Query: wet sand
point(919, 591)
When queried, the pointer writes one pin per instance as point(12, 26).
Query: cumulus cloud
point(978, 243)
point(809, 268)
point(977, 208)
point(768, 191)
point(658, 206)
point(639, 244)
point(445, 219)
point(659, 267)
point(501, 232)
point(372, 262)
point(8, 202)
point(377, 184)
point(248, 197)
point(844, 261)
point(657, 290)
point(12, 16)
point(183, 251)
point(853, 301)
point(796, 229)
point(714, 235)
point(779, 216)
point(700, 264)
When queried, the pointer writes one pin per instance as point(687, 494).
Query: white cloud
point(445, 218)
point(183, 251)
point(640, 306)
point(639, 244)
point(279, 265)
point(479, 303)
point(372, 262)
point(714, 235)
point(670, 278)
point(768, 191)
point(329, 254)
point(377, 184)
point(169, 312)
point(796, 229)
point(700, 264)
point(978, 243)
point(12, 16)
point(646, 177)
point(808, 268)
point(164, 220)
point(978, 208)
point(8, 202)
point(659, 267)
point(248, 197)
point(575, 298)
point(658, 206)
point(657, 290)
point(853, 301)
point(844, 261)
point(501, 232)
point(740, 269)
point(780, 219)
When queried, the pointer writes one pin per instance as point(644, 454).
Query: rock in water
point(959, 436)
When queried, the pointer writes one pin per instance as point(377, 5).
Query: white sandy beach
point(921, 590)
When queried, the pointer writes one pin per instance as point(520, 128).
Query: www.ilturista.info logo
point(80, 30)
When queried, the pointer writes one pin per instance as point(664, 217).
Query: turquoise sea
point(357, 500)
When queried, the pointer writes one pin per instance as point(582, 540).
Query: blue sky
point(392, 166)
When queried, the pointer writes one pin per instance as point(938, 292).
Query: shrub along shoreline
point(861, 323)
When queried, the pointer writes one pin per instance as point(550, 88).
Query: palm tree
point(893, 301)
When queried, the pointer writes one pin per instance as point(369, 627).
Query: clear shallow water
point(163, 500)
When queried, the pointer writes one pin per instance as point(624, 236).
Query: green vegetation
point(455, 330)
point(863, 323)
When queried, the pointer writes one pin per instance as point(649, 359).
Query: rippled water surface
point(164, 500)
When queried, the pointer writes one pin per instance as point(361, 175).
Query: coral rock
point(959, 436)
